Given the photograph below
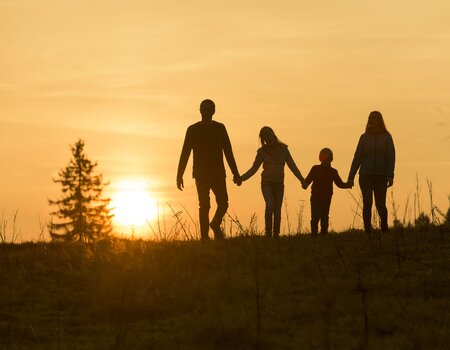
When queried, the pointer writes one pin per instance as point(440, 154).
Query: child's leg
point(324, 215)
point(267, 192)
point(315, 214)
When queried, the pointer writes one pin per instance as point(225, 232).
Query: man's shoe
point(218, 233)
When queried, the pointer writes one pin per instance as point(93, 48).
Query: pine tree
point(82, 214)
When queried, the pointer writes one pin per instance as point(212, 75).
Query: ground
point(340, 291)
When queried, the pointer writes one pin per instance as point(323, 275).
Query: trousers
point(320, 211)
point(374, 186)
point(273, 196)
point(219, 188)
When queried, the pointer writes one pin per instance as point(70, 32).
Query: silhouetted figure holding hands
point(273, 155)
point(322, 177)
point(375, 159)
point(209, 141)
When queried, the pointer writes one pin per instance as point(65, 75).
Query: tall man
point(209, 141)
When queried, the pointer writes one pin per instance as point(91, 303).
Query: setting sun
point(132, 204)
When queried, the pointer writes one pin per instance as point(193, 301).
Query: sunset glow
point(133, 206)
point(127, 77)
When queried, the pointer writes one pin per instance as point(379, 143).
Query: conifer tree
point(82, 214)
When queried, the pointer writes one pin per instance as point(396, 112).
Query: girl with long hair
point(273, 155)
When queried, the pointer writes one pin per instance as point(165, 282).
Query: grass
point(345, 291)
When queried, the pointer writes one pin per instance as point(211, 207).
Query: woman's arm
point(390, 157)
point(357, 159)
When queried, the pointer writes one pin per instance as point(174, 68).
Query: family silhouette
point(208, 140)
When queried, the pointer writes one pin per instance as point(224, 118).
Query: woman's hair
point(376, 116)
point(266, 130)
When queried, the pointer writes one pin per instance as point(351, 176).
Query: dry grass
point(346, 291)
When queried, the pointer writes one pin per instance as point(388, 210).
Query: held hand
point(237, 180)
point(390, 181)
point(302, 181)
point(180, 184)
point(350, 183)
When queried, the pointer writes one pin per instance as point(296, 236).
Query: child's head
point(326, 155)
point(267, 136)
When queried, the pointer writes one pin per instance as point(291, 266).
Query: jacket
point(374, 155)
point(273, 158)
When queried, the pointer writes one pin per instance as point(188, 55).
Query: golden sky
point(128, 77)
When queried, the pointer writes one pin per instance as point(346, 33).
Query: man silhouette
point(209, 141)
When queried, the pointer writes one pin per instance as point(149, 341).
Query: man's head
point(207, 109)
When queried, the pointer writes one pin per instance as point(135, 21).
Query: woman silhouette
point(273, 155)
point(375, 159)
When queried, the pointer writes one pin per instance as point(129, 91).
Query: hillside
point(341, 291)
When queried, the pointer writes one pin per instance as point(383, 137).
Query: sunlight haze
point(127, 77)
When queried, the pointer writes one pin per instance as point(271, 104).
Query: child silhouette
point(322, 177)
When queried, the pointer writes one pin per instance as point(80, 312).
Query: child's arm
point(339, 183)
point(291, 164)
point(308, 179)
point(256, 164)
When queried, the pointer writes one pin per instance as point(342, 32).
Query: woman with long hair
point(273, 155)
point(375, 159)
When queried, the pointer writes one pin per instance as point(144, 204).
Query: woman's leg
point(380, 189)
point(366, 183)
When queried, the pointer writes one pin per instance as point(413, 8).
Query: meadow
point(340, 291)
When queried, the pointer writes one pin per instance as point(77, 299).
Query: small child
point(322, 176)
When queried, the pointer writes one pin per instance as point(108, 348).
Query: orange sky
point(128, 76)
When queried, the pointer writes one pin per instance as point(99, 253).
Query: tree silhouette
point(82, 214)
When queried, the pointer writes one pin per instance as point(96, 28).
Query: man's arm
point(229, 153)
point(184, 157)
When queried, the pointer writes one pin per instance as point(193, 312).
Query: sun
point(132, 204)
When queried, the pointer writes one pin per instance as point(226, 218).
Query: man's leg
point(203, 188)
point(380, 189)
point(366, 183)
point(267, 193)
point(315, 214)
point(278, 192)
point(220, 191)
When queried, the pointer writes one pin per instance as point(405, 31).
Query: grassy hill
point(341, 291)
